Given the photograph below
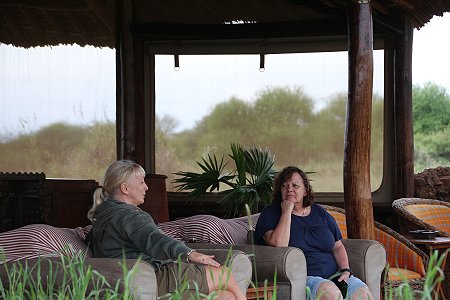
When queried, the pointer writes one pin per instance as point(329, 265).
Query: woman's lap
point(313, 282)
point(175, 276)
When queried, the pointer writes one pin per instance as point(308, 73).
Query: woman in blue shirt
point(293, 220)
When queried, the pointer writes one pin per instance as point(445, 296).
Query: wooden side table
point(258, 292)
point(442, 244)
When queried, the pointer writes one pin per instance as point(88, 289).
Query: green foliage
point(62, 150)
point(431, 109)
point(275, 117)
point(431, 150)
point(250, 183)
point(282, 119)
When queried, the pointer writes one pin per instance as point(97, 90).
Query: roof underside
point(31, 23)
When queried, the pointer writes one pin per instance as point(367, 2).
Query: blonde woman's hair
point(117, 173)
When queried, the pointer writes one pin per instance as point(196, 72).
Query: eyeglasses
point(295, 185)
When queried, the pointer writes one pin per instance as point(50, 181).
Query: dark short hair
point(285, 175)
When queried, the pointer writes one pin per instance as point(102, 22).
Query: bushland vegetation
point(282, 119)
point(431, 108)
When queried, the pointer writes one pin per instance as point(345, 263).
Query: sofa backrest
point(32, 241)
point(435, 215)
point(210, 229)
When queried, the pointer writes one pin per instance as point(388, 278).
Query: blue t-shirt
point(315, 234)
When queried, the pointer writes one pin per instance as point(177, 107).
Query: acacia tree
point(278, 119)
point(282, 118)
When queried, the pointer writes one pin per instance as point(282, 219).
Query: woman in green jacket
point(120, 229)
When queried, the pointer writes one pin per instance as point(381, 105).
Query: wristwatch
point(346, 270)
point(189, 253)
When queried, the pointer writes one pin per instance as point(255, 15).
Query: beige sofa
point(46, 246)
point(367, 258)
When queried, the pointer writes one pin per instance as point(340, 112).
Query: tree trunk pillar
point(357, 189)
point(404, 136)
point(130, 105)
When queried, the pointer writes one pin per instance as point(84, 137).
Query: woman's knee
point(362, 293)
point(224, 295)
point(328, 291)
point(218, 277)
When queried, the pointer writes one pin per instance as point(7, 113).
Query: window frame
point(276, 46)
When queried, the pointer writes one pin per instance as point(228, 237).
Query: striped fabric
point(435, 215)
point(36, 240)
point(341, 222)
point(402, 274)
point(398, 254)
point(209, 229)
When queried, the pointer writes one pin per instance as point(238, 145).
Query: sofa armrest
point(142, 283)
point(288, 263)
point(238, 262)
point(367, 259)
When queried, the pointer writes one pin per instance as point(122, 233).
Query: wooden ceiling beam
point(50, 5)
point(158, 31)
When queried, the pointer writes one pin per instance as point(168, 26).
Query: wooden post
point(130, 102)
point(404, 136)
point(357, 190)
point(124, 78)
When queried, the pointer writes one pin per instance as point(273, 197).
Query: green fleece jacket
point(123, 229)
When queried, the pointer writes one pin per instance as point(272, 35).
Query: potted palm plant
point(249, 183)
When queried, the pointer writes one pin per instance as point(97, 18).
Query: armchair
point(429, 214)
point(418, 213)
point(367, 258)
point(406, 261)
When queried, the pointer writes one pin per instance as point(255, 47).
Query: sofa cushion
point(209, 229)
point(36, 240)
point(402, 274)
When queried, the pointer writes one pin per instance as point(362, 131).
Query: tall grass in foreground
point(434, 277)
point(66, 278)
point(70, 278)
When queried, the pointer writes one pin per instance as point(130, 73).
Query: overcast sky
point(76, 85)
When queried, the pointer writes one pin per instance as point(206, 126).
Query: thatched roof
point(30, 23)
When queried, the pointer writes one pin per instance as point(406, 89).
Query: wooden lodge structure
point(241, 26)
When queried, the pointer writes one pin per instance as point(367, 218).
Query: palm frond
point(234, 201)
point(201, 183)
point(251, 181)
point(259, 161)
point(238, 155)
